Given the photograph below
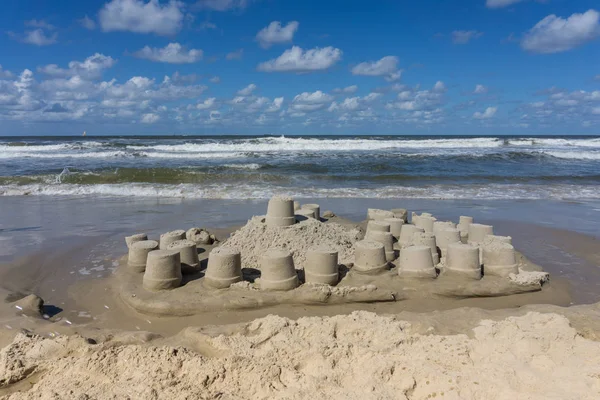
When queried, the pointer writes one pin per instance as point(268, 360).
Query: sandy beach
point(427, 343)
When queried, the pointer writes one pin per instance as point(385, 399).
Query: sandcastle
point(280, 212)
point(170, 237)
point(138, 254)
point(163, 270)
point(370, 257)
point(292, 252)
point(416, 262)
point(188, 253)
point(224, 268)
point(278, 272)
point(322, 266)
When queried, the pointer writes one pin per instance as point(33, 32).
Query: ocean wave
point(574, 155)
point(594, 142)
point(104, 154)
point(237, 191)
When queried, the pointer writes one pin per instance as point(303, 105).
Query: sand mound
point(256, 237)
point(358, 356)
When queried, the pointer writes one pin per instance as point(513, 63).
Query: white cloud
point(555, 34)
point(276, 34)
point(439, 87)
point(298, 60)
point(5, 74)
point(34, 23)
point(464, 37)
point(91, 68)
point(247, 91)
point(221, 5)
point(487, 114)
point(501, 3)
point(309, 102)
point(149, 118)
point(215, 79)
point(480, 89)
point(173, 53)
point(372, 97)
point(36, 37)
point(386, 67)
point(235, 55)
point(87, 23)
point(142, 17)
point(206, 104)
point(347, 89)
point(276, 105)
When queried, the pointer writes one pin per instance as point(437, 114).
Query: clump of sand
point(356, 356)
point(256, 237)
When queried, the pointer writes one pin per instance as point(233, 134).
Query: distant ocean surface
point(566, 168)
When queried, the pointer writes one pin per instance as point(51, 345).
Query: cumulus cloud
point(235, 55)
point(149, 118)
point(464, 37)
point(555, 34)
point(346, 90)
point(310, 102)
point(140, 16)
point(501, 3)
point(417, 100)
point(247, 91)
point(487, 114)
point(36, 37)
point(173, 53)
point(386, 67)
point(215, 79)
point(221, 5)
point(87, 23)
point(35, 23)
point(91, 68)
point(298, 60)
point(480, 89)
point(5, 74)
point(275, 105)
point(275, 33)
point(206, 104)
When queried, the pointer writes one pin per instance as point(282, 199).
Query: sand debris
point(255, 238)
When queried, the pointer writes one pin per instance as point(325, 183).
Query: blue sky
point(300, 67)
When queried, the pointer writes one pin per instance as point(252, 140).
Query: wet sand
point(79, 243)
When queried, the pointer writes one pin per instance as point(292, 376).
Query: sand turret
point(163, 270)
point(167, 238)
point(224, 267)
point(188, 254)
point(280, 212)
point(138, 254)
point(416, 262)
point(321, 266)
point(463, 259)
point(138, 237)
point(499, 259)
point(369, 257)
point(277, 271)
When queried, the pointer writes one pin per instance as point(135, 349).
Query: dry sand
point(533, 355)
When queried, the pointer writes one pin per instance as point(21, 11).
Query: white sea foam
point(242, 166)
point(594, 142)
point(574, 155)
point(245, 191)
point(104, 154)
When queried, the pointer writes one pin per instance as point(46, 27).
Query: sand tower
point(463, 225)
point(188, 253)
point(321, 266)
point(167, 238)
point(303, 214)
point(163, 270)
point(277, 271)
point(444, 237)
point(224, 268)
point(463, 259)
point(395, 226)
point(369, 257)
point(440, 225)
point(401, 213)
point(478, 232)
point(427, 239)
point(499, 259)
point(315, 208)
point(377, 226)
point(407, 233)
point(138, 254)
point(280, 212)
point(387, 240)
point(416, 262)
point(425, 222)
point(378, 215)
point(138, 237)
